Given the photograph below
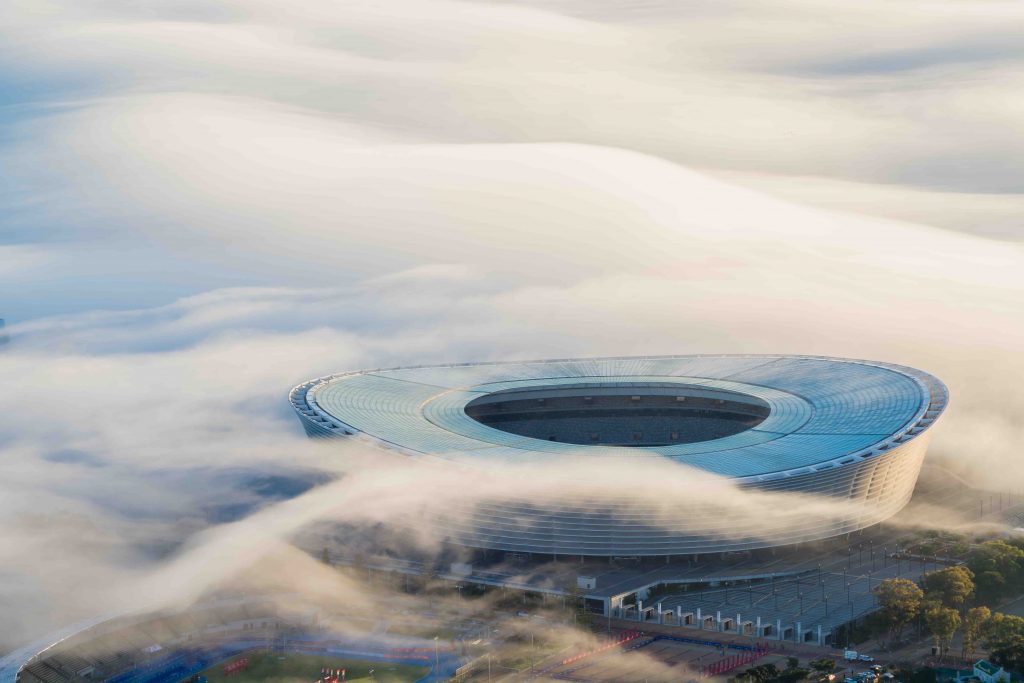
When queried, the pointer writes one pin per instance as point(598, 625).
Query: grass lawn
point(289, 667)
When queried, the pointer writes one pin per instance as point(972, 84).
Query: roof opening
point(630, 415)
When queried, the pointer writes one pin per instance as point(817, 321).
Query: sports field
point(289, 667)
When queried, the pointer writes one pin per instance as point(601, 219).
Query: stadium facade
point(850, 432)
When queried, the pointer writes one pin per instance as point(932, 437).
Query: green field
point(289, 667)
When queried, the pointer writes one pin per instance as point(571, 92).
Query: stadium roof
point(822, 411)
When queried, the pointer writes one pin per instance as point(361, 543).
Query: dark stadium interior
point(619, 416)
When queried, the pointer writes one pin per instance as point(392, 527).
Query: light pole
point(531, 652)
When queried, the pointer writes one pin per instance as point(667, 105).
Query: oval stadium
point(852, 431)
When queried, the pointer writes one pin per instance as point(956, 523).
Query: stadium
point(851, 431)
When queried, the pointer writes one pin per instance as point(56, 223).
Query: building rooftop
point(821, 412)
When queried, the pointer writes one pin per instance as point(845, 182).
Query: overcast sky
point(203, 203)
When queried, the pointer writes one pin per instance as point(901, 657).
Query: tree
point(1003, 637)
point(900, 600)
point(792, 675)
point(990, 586)
point(577, 603)
point(943, 622)
point(997, 566)
point(792, 662)
point(951, 586)
point(823, 665)
point(762, 672)
point(974, 623)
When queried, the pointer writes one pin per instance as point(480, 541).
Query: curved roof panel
point(822, 411)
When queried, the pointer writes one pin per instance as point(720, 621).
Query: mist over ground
point(205, 203)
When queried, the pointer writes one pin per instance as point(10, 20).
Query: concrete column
point(700, 621)
point(778, 629)
point(821, 639)
point(799, 632)
point(739, 624)
point(718, 620)
point(679, 614)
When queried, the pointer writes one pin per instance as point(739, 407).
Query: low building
point(987, 672)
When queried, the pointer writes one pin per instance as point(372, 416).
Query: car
point(866, 658)
point(522, 613)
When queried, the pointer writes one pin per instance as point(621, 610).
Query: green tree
point(577, 603)
point(990, 586)
point(762, 672)
point(974, 623)
point(900, 600)
point(998, 567)
point(792, 675)
point(823, 665)
point(792, 662)
point(1003, 637)
point(943, 622)
point(951, 587)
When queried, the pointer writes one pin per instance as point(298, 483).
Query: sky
point(205, 203)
